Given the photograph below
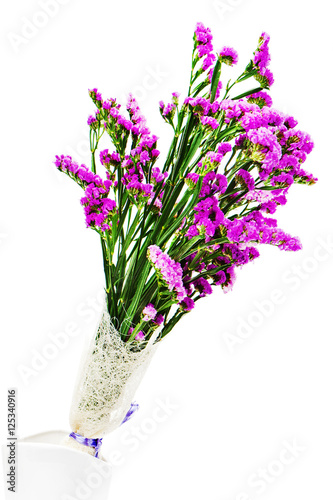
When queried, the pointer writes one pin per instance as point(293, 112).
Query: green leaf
point(193, 148)
point(249, 92)
point(215, 79)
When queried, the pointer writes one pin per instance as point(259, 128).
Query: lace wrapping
point(108, 378)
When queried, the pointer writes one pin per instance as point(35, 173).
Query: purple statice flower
point(214, 159)
point(252, 120)
point(284, 178)
point(209, 122)
point(213, 184)
point(223, 148)
point(266, 117)
point(218, 277)
point(188, 267)
point(191, 179)
point(259, 229)
point(266, 150)
point(187, 304)
point(208, 216)
point(290, 122)
point(140, 336)
point(261, 61)
point(148, 141)
point(81, 174)
point(106, 105)
point(114, 113)
point(228, 55)
point(245, 179)
point(140, 190)
point(204, 49)
point(272, 117)
point(239, 254)
point(107, 159)
point(261, 196)
point(175, 98)
point(303, 177)
point(124, 123)
point(133, 180)
point(157, 205)
point(186, 280)
point(154, 153)
point(96, 97)
point(265, 77)
point(230, 273)
point(235, 109)
point(144, 157)
point(91, 121)
point(262, 57)
point(149, 312)
point(167, 110)
point(158, 320)
point(297, 143)
point(203, 287)
point(169, 271)
point(192, 232)
point(98, 209)
point(202, 34)
point(200, 105)
point(208, 61)
point(261, 99)
point(158, 176)
point(269, 200)
point(139, 126)
point(268, 207)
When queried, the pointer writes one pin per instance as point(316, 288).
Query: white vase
point(46, 470)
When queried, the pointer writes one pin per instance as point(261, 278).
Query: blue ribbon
point(97, 443)
point(92, 443)
point(134, 407)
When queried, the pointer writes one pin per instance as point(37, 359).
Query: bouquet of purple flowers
point(172, 229)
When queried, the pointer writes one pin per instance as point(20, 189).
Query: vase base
point(45, 469)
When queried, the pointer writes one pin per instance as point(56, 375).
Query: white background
point(233, 408)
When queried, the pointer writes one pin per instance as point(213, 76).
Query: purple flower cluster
point(98, 208)
point(220, 269)
point(139, 162)
point(257, 228)
point(150, 314)
point(187, 304)
point(167, 110)
point(228, 55)
point(265, 149)
point(169, 271)
point(261, 62)
point(261, 99)
point(223, 148)
point(203, 37)
point(108, 159)
point(210, 122)
point(271, 142)
point(208, 61)
point(207, 216)
point(245, 179)
point(203, 44)
point(191, 179)
point(223, 217)
point(201, 106)
point(212, 184)
point(268, 200)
